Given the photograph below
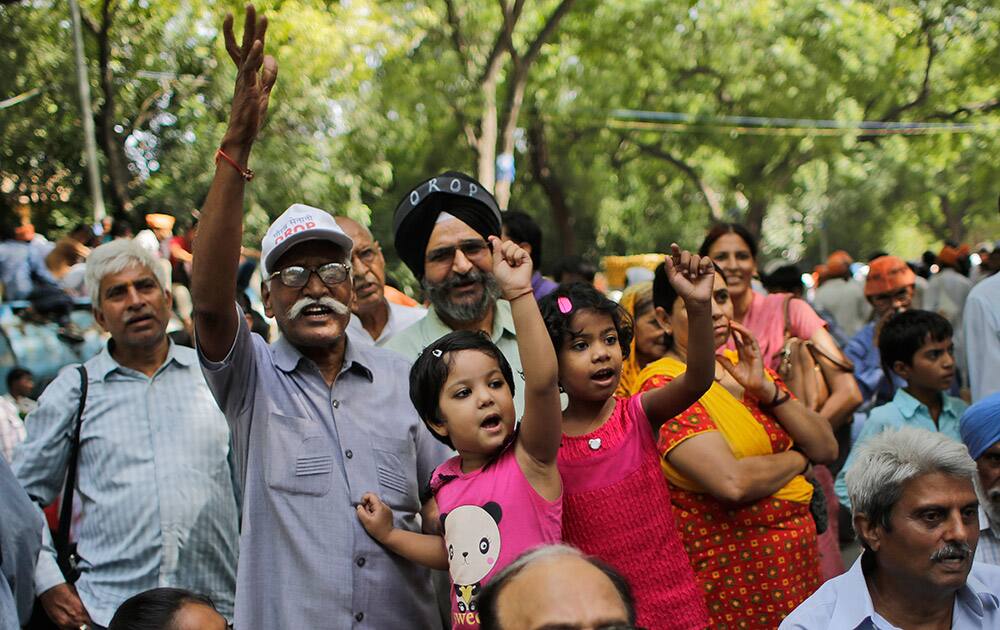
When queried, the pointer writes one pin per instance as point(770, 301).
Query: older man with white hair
point(318, 418)
point(917, 516)
point(153, 473)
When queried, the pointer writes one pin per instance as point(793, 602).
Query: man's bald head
point(555, 586)
point(368, 266)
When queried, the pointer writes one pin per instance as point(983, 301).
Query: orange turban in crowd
point(159, 221)
point(888, 273)
point(838, 264)
point(950, 256)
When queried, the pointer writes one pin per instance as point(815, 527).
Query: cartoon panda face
point(472, 536)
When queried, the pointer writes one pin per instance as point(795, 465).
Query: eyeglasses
point(297, 276)
point(884, 299)
point(471, 249)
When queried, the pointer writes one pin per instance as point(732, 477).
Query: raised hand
point(375, 516)
point(749, 372)
point(511, 267)
point(255, 77)
point(692, 276)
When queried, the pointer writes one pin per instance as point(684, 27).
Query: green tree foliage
point(373, 96)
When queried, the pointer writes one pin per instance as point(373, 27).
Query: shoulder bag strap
point(61, 539)
point(788, 320)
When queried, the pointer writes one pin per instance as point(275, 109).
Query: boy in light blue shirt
point(917, 347)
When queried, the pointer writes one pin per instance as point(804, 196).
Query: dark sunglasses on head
point(297, 276)
point(470, 249)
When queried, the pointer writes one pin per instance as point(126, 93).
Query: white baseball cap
point(298, 224)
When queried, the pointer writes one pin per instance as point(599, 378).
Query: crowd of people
point(516, 451)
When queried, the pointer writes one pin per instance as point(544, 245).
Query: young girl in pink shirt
point(616, 505)
point(501, 495)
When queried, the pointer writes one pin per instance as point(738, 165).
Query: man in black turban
point(441, 229)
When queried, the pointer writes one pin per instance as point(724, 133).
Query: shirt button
point(361, 562)
point(349, 453)
point(336, 404)
point(359, 616)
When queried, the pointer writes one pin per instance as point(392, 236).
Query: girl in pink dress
point(616, 505)
point(501, 495)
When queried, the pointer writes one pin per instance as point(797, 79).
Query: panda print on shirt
point(472, 537)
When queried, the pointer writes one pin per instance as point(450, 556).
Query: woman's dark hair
point(904, 334)
point(154, 609)
point(721, 229)
point(664, 294)
point(430, 372)
point(583, 297)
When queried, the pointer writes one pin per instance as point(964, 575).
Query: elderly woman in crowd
point(735, 462)
point(648, 340)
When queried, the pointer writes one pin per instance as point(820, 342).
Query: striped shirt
point(156, 488)
point(988, 549)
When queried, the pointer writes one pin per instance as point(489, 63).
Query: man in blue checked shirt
point(154, 479)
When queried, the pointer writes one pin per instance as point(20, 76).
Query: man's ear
point(870, 533)
point(526, 247)
point(99, 317)
point(663, 319)
point(265, 298)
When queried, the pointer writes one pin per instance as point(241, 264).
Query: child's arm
point(692, 277)
point(541, 425)
point(424, 549)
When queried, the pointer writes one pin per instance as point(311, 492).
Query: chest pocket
point(299, 456)
point(396, 464)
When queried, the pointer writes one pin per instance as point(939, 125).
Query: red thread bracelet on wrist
point(245, 173)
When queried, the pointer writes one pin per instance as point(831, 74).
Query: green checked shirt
point(412, 341)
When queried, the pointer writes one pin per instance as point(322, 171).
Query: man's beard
point(463, 312)
point(989, 500)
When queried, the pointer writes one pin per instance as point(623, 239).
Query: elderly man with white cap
point(980, 428)
point(317, 420)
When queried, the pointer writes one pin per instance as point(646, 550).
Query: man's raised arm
point(217, 248)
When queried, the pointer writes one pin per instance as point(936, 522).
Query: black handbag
point(66, 555)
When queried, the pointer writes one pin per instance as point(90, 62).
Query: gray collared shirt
point(154, 481)
point(306, 453)
point(844, 603)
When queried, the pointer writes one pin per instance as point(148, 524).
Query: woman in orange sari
point(735, 462)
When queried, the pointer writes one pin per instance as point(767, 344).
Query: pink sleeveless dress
point(616, 506)
point(490, 517)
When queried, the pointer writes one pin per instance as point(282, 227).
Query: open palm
point(256, 74)
point(749, 371)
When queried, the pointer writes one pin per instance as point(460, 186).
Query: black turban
point(455, 193)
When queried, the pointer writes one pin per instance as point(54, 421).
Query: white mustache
point(334, 305)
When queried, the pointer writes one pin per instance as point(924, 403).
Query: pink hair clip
point(565, 306)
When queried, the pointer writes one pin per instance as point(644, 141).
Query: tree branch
point(925, 87)
point(707, 192)
point(457, 39)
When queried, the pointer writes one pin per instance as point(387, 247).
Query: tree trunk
point(538, 148)
point(755, 215)
point(487, 149)
point(112, 143)
point(953, 218)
